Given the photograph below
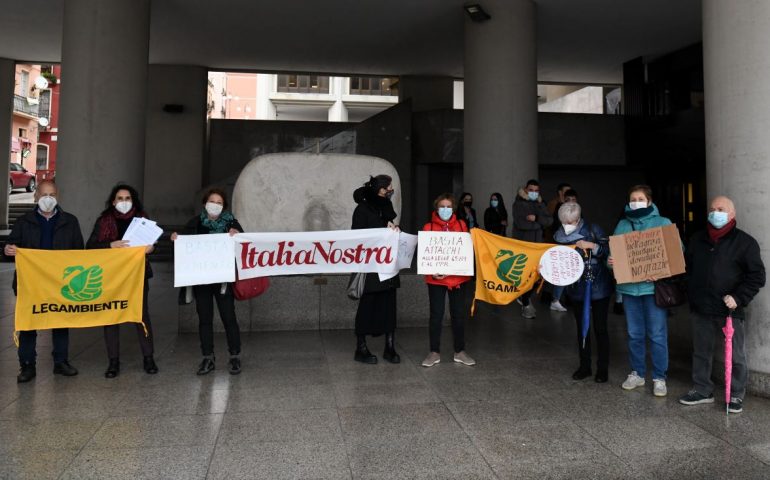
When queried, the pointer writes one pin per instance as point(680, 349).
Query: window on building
point(22, 133)
point(42, 157)
point(44, 108)
point(372, 86)
point(24, 83)
point(303, 84)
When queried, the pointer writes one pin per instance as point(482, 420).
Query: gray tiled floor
point(303, 409)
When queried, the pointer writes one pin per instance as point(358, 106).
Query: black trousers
point(599, 310)
point(112, 332)
point(205, 295)
point(28, 340)
point(457, 311)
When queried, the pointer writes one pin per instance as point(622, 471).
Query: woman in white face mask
point(644, 319)
point(122, 206)
point(215, 218)
point(592, 244)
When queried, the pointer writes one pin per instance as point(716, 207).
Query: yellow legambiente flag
point(505, 268)
point(78, 288)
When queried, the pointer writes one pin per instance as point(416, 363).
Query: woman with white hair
point(592, 243)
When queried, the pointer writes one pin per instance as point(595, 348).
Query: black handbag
point(670, 292)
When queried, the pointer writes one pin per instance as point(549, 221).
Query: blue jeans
point(645, 320)
point(28, 339)
point(557, 291)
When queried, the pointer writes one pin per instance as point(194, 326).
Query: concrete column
point(265, 107)
point(736, 68)
point(175, 142)
point(105, 49)
point(7, 71)
point(427, 93)
point(500, 120)
point(338, 112)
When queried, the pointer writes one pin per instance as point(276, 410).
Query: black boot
point(150, 366)
point(113, 368)
point(390, 349)
point(207, 365)
point(26, 373)
point(64, 368)
point(363, 354)
point(581, 373)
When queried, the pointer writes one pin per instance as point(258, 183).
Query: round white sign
point(561, 266)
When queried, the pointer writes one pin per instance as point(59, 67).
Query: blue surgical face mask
point(718, 219)
point(445, 213)
point(494, 203)
point(533, 195)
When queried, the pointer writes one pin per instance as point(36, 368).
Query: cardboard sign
point(561, 266)
point(444, 253)
point(650, 254)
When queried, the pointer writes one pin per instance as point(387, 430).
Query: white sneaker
point(529, 311)
point(634, 380)
point(432, 359)
point(556, 306)
point(659, 387)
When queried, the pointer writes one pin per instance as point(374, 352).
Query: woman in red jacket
point(439, 286)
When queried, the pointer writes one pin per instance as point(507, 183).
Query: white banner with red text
point(374, 250)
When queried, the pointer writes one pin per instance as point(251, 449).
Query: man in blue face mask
point(530, 218)
point(725, 272)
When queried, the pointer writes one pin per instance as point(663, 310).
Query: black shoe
point(112, 369)
point(150, 366)
point(206, 366)
point(234, 366)
point(581, 373)
point(735, 405)
point(390, 349)
point(601, 376)
point(363, 355)
point(617, 308)
point(26, 373)
point(694, 398)
point(64, 368)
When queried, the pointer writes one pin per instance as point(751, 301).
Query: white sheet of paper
point(142, 232)
point(203, 259)
point(406, 245)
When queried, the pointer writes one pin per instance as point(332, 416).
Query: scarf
point(218, 225)
point(108, 223)
point(716, 234)
point(639, 212)
point(561, 236)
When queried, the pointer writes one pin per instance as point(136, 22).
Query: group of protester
point(724, 271)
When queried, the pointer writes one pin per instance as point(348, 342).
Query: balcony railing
point(21, 105)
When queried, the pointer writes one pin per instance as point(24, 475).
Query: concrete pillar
point(175, 142)
point(500, 119)
point(427, 93)
point(265, 106)
point(7, 71)
point(736, 68)
point(105, 49)
point(338, 112)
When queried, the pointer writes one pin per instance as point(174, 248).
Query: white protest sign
point(445, 253)
point(561, 266)
point(203, 259)
point(406, 245)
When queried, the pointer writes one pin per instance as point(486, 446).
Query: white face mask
point(123, 207)
point(637, 205)
point(213, 209)
point(46, 204)
point(569, 228)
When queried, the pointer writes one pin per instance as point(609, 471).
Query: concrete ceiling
point(583, 41)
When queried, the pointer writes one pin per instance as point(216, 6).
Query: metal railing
point(21, 105)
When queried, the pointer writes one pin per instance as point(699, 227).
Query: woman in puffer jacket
point(443, 219)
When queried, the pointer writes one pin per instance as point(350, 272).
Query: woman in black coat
point(376, 313)
point(496, 216)
point(215, 218)
point(465, 212)
point(122, 206)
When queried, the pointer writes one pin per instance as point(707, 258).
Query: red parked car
point(21, 178)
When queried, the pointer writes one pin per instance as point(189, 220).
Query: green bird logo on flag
point(85, 285)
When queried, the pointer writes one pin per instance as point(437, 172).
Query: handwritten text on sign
point(649, 254)
point(203, 259)
point(444, 253)
point(561, 266)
